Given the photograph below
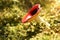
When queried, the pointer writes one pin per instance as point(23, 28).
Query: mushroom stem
point(40, 19)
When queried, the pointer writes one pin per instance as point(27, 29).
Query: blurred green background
point(12, 12)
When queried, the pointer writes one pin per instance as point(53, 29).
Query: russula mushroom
point(33, 15)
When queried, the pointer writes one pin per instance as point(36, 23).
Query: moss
point(12, 12)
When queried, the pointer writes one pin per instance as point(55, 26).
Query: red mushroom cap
point(34, 11)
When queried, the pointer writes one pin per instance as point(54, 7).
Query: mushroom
point(33, 15)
